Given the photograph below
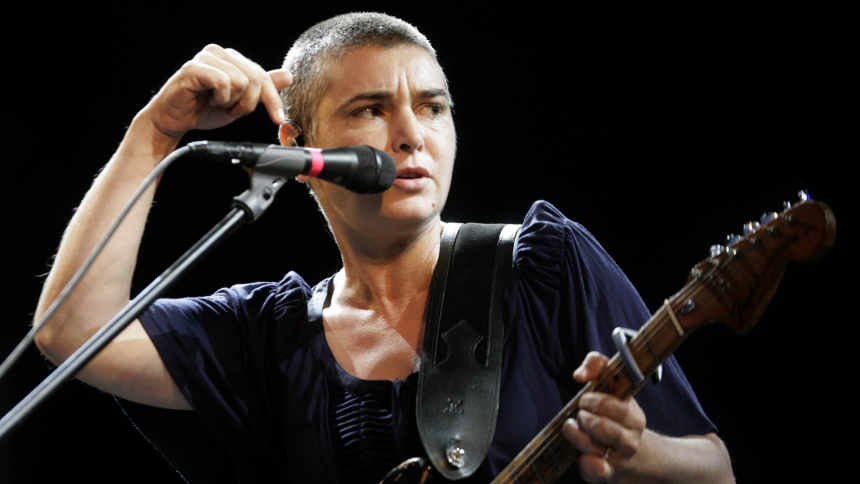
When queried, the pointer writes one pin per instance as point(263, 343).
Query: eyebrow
point(383, 95)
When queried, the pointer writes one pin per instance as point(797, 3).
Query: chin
point(412, 209)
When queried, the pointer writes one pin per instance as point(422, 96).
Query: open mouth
point(412, 178)
point(412, 172)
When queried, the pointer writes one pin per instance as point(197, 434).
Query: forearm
point(105, 289)
point(691, 459)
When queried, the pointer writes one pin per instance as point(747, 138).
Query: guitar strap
point(461, 363)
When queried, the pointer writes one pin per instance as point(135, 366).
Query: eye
point(433, 110)
point(369, 112)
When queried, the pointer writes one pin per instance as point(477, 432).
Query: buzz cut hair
point(328, 42)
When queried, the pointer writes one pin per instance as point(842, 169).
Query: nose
point(407, 134)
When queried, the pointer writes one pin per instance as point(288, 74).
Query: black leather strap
point(458, 386)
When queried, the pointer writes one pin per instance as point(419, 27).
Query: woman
point(269, 366)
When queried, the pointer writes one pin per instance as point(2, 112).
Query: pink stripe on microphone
point(316, 162)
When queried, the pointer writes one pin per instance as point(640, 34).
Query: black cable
point(64, 294)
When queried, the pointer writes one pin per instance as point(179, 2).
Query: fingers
point(591, 366)
point(214, 88)
point(273, 83)
point(238, 84)
point(622, 434)
point(612, 422)
point(583, 441)
point(252, 85)
point(592, 466)
point(594, 469)
point(605, 423)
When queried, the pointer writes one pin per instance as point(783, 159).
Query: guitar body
point(733, 286)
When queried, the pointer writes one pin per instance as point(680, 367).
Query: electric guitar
point(734, 286)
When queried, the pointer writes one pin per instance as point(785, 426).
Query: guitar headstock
point(737, 282)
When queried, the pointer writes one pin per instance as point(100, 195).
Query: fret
point(651, 347)
point(536, 473)
point(554, 458)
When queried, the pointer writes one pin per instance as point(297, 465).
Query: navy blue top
point(253, 362)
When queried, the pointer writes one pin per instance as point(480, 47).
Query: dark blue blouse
point(253, 362)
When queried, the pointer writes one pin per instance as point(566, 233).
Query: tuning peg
point(732, 239)
point(717, 250)
point(767, 217)
point(786, 205)
point(751, 227)
point(803, 196)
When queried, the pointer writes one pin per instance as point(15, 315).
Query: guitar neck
point(549, 454)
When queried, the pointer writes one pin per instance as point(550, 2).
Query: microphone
point(361, 169)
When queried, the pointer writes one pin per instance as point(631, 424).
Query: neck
point(387, 274)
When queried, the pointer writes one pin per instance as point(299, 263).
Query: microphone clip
point(256, 199)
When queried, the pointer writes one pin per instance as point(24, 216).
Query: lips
point(412, 172)
point(412, 178)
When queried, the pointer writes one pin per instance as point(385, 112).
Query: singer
point(300, 383)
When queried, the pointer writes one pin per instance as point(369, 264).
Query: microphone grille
point(375, 173)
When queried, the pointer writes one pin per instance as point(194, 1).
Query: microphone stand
point(247, 208)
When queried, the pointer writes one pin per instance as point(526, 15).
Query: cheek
point(447, 153)
point(356, 138)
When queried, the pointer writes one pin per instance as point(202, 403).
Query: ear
point(287, 134)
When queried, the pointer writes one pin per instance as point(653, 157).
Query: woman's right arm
point(212, 90)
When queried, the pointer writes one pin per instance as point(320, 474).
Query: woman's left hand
point(607, 430)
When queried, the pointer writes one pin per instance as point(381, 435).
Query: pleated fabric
point(361, 428)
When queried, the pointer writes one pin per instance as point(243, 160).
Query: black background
point(660, 129)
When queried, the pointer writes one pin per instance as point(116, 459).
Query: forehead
point(372, 68)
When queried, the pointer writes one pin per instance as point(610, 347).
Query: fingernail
point(572, 422)
point(281, 116)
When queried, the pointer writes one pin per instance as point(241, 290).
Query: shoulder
point(550, 243)
point(283, 298)
point(289, 289)
point(245, 303)
point(565, 279)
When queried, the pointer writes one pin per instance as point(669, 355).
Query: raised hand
point(212, 90)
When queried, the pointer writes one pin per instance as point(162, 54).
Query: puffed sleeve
point(572, 295)
point(219, 351)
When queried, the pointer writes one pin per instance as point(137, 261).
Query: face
point(394, 100)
